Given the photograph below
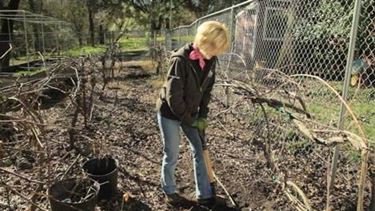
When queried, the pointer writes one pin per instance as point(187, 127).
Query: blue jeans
point(170, 136)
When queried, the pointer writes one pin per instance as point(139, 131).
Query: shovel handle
point(202, 135)
point(210, 171)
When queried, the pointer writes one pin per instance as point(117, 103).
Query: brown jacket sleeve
point(175, 91)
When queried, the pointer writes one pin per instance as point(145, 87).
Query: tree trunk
point(152, 32)
point(35, 28)
point(91, 26)
point(6, 32)
point(101, 34)
point(80, 41)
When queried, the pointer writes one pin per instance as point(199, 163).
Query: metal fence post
point(168, 31)
point(168, 41)
point(10, 35)
point(231, 29)
point(348, 69)
point(179, 37)
point(26, 40)
point(33, 49)
point(231, 32)
point(43, 41)
point(59, 47)
point(57, 38)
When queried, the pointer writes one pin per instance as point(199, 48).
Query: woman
point(183, 103)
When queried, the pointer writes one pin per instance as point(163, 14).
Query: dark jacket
point(186, 92)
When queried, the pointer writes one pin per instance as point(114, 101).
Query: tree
point(92, 6)
point(204, 7)
point(34, 9)
point(76, 14)
point(97, 6)
point(155, 10)
point(6, 32)
point(114, 16)
point(158, 13)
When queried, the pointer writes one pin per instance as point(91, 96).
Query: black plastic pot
point(105, 171)
point(73, 194)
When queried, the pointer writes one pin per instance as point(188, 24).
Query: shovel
point(210, 172)
point(207, 161)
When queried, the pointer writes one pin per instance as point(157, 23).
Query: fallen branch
point(24, 197)
point(306, 202)
point(68, 169)
point(20, 176)
point(7, 51)
point(252, 95)
point(225, 190)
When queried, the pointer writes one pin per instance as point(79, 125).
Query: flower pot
point(105, 171)
point(73, 194)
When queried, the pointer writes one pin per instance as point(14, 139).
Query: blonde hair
point(213, 34)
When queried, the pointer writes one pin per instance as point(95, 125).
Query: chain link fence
point(310, 55)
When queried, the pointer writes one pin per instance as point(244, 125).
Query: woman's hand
point(200, 124)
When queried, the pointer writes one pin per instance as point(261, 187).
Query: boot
point(176, 199)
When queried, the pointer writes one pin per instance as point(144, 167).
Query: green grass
point(361, 94)
point(31, 72)
point(133, 43)
point(324, 112)
point(293, 147)
point(365, 112)
point(24, 59)
point(353, 155)
point(74, 52)
point(325, 106)
point(187, 38)
point(126, 44)
point(328, 112)
point(85, 50)
point(137, 43)
point(160, 39)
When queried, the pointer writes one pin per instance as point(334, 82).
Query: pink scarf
point(196, 55)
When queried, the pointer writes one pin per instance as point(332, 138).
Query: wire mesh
point(33, 34)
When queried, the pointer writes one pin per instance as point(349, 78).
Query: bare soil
point(123, 124)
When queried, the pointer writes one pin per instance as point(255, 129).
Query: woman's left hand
point(200, 124)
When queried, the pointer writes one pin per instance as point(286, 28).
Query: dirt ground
point(123, 125)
